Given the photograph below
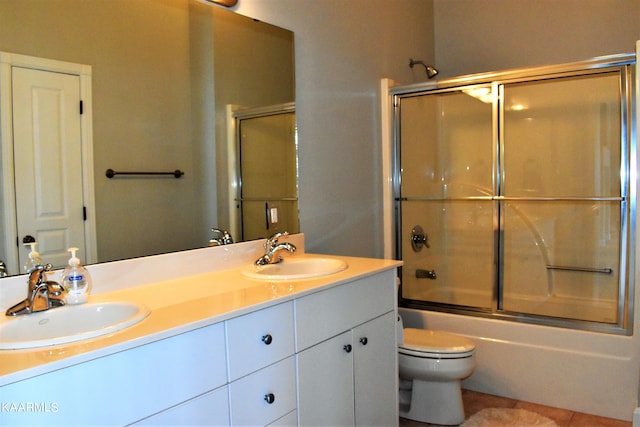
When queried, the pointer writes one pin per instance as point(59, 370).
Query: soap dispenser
point(34, 259)
point(76, 280)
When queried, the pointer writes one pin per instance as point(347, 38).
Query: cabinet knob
point(267, 339)
point(364, 340)
point(269, 398)
point(347, 348)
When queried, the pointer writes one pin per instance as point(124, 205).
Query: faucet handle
point(37, 275)
point(273, 240)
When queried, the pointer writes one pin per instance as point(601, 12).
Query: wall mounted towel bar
point(585, 269)
point(176, 173)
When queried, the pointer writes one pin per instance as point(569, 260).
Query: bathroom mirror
point(165, 74)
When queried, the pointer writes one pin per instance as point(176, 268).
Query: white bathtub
point(583, 371)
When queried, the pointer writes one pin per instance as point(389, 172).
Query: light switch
point(273, 213)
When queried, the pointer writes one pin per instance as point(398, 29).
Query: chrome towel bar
point(176, 173)
point(584, 269)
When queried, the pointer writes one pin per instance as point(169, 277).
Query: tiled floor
point(474, 402)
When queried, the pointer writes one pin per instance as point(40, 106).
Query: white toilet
point(431, 366)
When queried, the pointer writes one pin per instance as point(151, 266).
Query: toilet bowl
point(431, 366)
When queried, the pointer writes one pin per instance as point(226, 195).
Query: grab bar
point(111, 173)
point(584, 269)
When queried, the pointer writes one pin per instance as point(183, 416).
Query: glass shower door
point(514, 197)
point(447, 190)
point(563, 201)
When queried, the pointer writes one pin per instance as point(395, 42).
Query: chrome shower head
point(431, 71)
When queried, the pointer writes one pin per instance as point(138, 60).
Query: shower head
point(431, 71)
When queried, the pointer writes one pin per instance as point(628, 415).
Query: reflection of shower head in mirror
point(431, 71)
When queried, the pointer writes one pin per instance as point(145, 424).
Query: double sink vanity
point(204, 337)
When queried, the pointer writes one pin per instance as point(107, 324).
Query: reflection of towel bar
point(585, 269)
point(176, 173)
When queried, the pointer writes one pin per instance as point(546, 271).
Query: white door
point(48, 162)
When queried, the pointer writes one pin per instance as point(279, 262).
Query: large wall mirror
point(165, 75)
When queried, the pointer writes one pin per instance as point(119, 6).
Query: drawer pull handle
point(364, 340)
point(347, 348)
point(267, 339)
point(269, 398)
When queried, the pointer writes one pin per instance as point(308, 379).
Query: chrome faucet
point(3, 269)
point(42, 294)
point(272, 247)
point(221, 237)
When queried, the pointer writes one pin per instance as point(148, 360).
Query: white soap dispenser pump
point(76, 280)
point(34, 258)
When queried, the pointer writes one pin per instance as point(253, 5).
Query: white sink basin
point(67, 324)
point(296, 268)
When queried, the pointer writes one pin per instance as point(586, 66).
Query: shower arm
point(431, 71)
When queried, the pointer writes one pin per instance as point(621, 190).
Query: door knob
point(28, 239)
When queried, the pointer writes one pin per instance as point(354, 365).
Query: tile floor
point(474, 402)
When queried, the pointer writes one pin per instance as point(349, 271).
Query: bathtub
point(602, 310)
point(583, 371)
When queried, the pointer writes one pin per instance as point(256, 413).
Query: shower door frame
point(626, 64)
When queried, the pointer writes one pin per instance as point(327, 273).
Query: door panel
point(48, 162)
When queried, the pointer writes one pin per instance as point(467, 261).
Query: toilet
point(432, 365)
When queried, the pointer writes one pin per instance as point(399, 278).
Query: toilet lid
point(436, 342)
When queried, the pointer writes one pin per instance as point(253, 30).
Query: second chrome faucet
point(272, 247)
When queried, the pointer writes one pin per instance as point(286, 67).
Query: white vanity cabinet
point(347, 357)
point(282, 365)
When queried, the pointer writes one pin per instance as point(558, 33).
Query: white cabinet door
point(325, 383)
point(375, 366)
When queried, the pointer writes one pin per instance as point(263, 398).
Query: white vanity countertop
point(179, 305)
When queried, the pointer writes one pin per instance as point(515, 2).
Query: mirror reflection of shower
point(264, 174)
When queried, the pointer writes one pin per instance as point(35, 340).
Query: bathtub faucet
point(426, 274)
point(272, 247)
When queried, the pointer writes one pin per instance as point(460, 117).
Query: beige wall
point(141, 117)
point(343, 49)
point(485, 35)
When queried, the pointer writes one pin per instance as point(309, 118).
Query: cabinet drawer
point(169, 370)
point(210, 409)
point(264, 396)
point(289, 420)
point(259, 339)
point(327, 313)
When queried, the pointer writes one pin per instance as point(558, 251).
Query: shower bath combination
point(486, 166)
